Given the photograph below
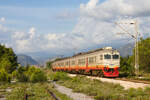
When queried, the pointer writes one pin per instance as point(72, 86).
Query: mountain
point(24, 60)
point(43, 56)
point(126, 50)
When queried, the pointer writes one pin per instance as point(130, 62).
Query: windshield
point(115, 56)
point(107, 56)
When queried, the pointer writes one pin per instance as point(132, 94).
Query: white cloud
point(97, 20)
point(113, 8)
point(22, 45)
point(18, 35)
point(2, 19)
point(32, 32)
point(91, 4)
point(3, 29)
point(51, 37)
point(23, 41)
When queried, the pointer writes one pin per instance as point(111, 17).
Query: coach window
point(73, 62)
point(67, 63)
point(81, 61)
point(62, 64)
point(59, 64)
point(101, 57)
point(95, 59)
point(115, 56)
point(107, 56)
point(91, 60)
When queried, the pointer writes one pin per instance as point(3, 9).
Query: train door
point(87, 63)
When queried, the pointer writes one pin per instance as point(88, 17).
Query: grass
point(142, 76)
point(100, 90)
point(36, 91)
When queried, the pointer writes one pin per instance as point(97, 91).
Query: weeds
point(35, 91)
point(101, 90)
point(59, 76)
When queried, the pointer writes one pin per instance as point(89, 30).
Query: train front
point(111, 63)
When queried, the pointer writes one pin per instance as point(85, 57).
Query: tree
point(21, 74)
point(49, 64)
point(144, 54)
point(38, 76)
point(4, 76)
point(126, 66)
point(8, 59)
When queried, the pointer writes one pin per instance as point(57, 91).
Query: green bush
point(38, 76)
point(18, 93)
point(22, 77)
point(30, 70)
point(49, 64)
point(21, 74)
point(4, 76)
point(59, 76)
point(29, 74)
point(14, 74)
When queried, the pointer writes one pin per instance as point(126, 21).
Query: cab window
point(115, 56)
point(107, 56)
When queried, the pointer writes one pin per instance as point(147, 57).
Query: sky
point(68, 26)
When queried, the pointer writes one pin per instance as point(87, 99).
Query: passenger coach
point(101, 62)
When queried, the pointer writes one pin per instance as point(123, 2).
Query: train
point(102, 62)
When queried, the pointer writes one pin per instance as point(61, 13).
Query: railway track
point(126, 83)
point(26, 96)
point(133, 80)
point(52, 94)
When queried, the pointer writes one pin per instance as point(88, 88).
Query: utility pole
point(135, 37)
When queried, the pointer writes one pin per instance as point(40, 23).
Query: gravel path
point(69, 93)
point(125, 84)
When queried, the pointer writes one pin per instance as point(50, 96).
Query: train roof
point(83, 53)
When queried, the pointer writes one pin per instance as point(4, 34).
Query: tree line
point(127, 63)
point(10, 69)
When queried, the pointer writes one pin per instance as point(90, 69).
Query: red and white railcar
point(104, 61)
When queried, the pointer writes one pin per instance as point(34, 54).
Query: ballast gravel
point(69, 93)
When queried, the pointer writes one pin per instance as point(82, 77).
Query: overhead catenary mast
point(135, 37)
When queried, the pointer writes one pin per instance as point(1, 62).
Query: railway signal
point(135, 37)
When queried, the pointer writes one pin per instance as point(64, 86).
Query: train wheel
point(81, 71)
point(91, 72)
point(100, 73)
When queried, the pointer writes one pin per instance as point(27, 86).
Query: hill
point(126, 50)
point(24, 60)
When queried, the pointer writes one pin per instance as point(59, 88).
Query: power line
point(135, 37)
